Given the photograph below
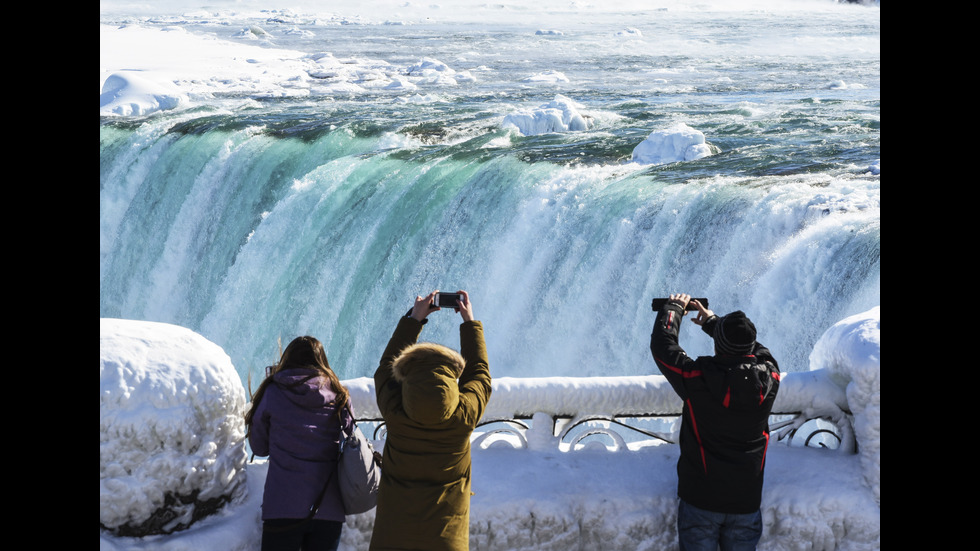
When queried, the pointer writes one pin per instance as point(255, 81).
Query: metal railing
point(569, 413)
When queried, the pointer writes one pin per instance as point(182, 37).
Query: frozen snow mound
point(431, 71)
point(427, 66)
point(546, 77)
point(559, 115)
point(631, 32)
point(677, 143)
point(171, 436)
point(850, 351)
point(128, 94)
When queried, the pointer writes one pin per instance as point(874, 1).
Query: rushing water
point(254, 219)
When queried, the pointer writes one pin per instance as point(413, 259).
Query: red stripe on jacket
point(697, 435)
point(679, 371)
point(765, 450)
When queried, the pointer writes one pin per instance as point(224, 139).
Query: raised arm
point(406, 334)
point(671, 359)
point(474, 382)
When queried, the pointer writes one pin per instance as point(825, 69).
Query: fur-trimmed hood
point(428, 375)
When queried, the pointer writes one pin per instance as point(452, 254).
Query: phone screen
point(447, 300)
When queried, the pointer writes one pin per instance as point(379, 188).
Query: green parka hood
point(427, 373)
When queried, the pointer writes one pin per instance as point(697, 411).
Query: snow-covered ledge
point(802, 397)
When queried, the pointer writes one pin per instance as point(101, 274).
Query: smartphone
point(447, 300)
point(658, 303)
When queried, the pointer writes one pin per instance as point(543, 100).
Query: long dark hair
point(302, 352)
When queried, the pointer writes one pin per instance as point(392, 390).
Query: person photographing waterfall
point(431, 398)
point(724, 431)
point(296, 418)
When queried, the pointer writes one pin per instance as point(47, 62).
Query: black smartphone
point(447, 300)
point(658, 303)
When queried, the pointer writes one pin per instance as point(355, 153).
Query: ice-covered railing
point(562, 412)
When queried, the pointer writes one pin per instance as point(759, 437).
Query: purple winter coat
point(296, 425)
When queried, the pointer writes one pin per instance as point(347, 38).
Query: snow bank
point(850, 352)
point(171, 440)
point(679, 142)
point(559, 115)
point(171, 59)
point(127, 93)
point(180, 68)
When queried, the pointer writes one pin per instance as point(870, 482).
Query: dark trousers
point(291, 534)
point(700, 530)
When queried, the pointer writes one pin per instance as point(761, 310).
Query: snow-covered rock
point(559, 115)
point(546, 77)
point(171, 436)
point(676, 143)
point(850, 351)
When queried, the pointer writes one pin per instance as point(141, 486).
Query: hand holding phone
point(458, 301)
point(465, 307)
point(447, 300)
point(658, 303)
point(422, 307)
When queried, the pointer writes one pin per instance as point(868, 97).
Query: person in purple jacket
point(295, 419)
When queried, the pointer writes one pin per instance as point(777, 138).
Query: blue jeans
point(291, 534)
point(700, 530)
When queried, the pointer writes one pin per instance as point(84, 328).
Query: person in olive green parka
point(431, 398)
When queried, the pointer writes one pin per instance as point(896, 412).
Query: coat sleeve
point(763, 353)
point(258, 434)
point(347, 419)
point(386, 388)
point(671, 359)
point(474, 382)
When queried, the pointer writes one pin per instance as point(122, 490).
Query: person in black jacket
point(725, 425)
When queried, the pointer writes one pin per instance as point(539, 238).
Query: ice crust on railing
point(812, 394)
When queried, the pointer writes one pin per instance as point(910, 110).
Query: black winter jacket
point(725, 428)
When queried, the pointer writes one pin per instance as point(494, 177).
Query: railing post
point(541, 435)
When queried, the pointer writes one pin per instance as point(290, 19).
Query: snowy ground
point(158, 380)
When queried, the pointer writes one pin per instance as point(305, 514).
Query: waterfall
point(248, 233)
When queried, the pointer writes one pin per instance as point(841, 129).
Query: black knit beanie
point(734, 334)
